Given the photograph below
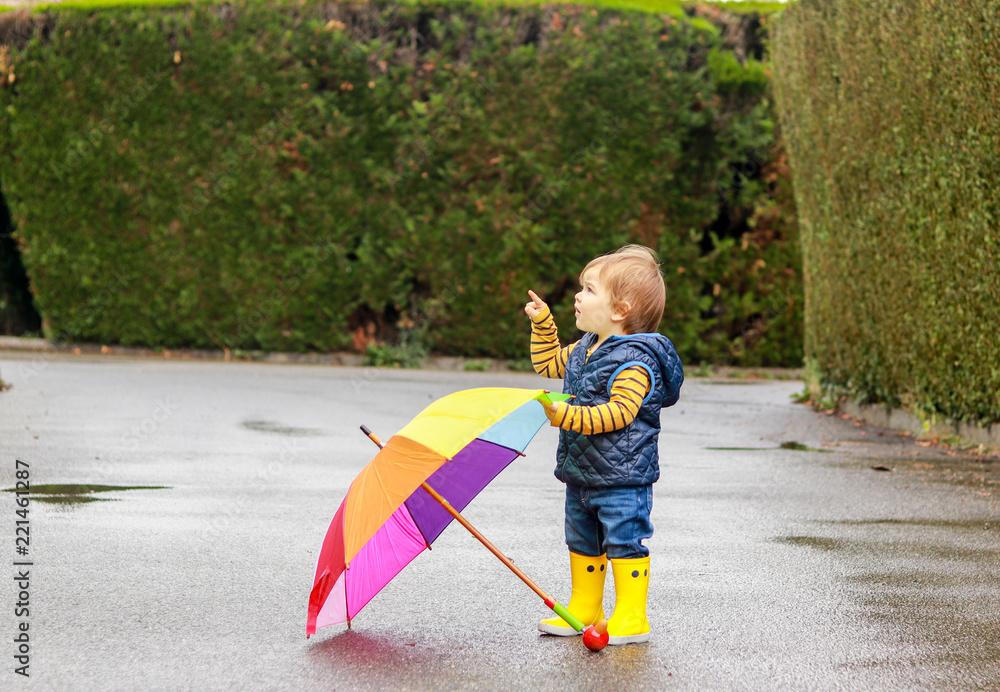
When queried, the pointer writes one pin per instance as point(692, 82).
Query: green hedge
point(318, 176)
point(891, 115)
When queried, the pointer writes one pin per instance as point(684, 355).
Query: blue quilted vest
point(628, 456)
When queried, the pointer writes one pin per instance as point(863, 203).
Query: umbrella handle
point(372, 437)
point(555, 605)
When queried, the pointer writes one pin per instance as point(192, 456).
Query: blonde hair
point(633, 279)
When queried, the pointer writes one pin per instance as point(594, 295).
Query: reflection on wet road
point(793, 550)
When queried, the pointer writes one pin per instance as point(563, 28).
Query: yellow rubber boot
point(628, 624)
point(586, 601)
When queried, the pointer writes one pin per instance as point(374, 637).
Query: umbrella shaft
point(482, 539)
point(549, 601)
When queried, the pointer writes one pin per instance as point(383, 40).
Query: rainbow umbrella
point(406, 496)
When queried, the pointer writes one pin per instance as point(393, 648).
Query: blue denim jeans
point(609, 520)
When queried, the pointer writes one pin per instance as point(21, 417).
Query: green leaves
point(897, 192)
point(278, 179)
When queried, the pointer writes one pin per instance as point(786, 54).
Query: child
point(621, 374)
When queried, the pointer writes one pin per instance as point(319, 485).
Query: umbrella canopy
point(457, 445)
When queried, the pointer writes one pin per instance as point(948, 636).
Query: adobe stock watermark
point(749, 168)
point(148, 426)
point(753, 330)
point(27, 370)
point(17, 28)
point(93, 138)
point(538, 203)
point(22, 568)
point(423, 314)
point(369, 27)
point(224, 176)
point(290, 282)
point(409, 165)
point(264, 478)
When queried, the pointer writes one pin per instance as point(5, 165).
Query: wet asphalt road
point(772, 568)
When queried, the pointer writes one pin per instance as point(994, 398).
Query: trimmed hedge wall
point(891, 115)
point(317, 176)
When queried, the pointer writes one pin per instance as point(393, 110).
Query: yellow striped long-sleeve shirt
point(627, 391)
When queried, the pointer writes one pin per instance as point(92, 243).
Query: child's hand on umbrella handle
point(535, 306)
point(554, 412)
point(553, 408)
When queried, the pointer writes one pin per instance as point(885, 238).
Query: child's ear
point(621, 312)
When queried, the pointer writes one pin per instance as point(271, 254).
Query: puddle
point(923, 586)
point(278, 429)
point(938, 462)
point(919, 547)
point(981, 476)
point(738, 382)
point(794, 446)
point(742, 449)
point(906, 579)
point(810, 542)
point(799, 447)
point(976, 524)
point(78, 494)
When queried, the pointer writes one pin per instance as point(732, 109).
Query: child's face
point(594, 311)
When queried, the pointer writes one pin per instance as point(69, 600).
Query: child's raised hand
point(534, 306)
